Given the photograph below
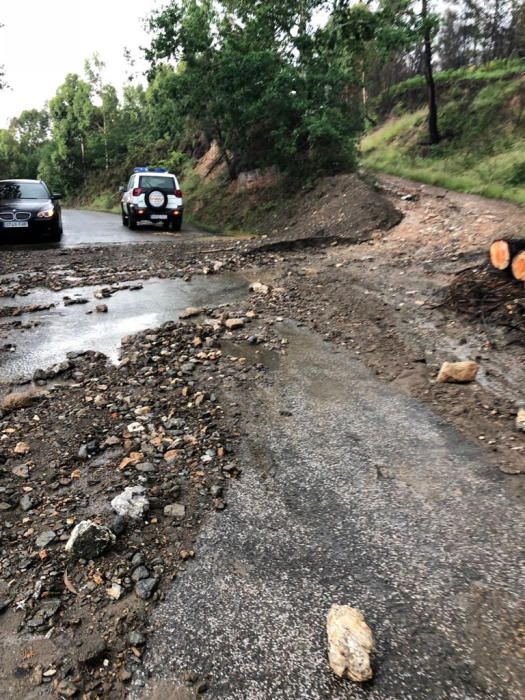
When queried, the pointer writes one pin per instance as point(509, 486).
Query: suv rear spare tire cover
point(156, 199)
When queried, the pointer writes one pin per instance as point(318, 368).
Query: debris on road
point(350, 643)
point(458, 372)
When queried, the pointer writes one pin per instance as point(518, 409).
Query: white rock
point(115, 591)
point(234, 323)
point(350, 643)
point(458, 372)
point(132, 502)
point(175, 510)
point(259, 288)
point(135, 428)
point(520, 419)
point(89, 540)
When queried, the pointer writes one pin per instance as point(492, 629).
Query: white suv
point(152, 194)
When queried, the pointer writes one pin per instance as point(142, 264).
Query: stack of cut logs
point(509, 255)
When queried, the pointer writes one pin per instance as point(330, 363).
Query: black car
point(29, 210)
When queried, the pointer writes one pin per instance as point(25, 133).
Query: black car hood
point(31, 205)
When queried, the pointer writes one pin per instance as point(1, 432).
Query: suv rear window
point(155, 182)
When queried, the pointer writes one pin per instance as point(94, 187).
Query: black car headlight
point(46, 213)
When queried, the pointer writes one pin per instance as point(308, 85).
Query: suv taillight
point(137, 191)
point(178, 193)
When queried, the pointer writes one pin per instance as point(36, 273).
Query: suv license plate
point(16, 224)
point(159, 216)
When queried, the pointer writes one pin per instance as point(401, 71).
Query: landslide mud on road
point(327, 427)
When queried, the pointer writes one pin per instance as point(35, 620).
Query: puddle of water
point(254, 354)
point(69, 329)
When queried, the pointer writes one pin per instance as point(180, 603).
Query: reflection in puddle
point(66, 329)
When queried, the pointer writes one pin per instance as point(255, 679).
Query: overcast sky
point(43, 40)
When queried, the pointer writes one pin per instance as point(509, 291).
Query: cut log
point(502, 251)
point(518, 266)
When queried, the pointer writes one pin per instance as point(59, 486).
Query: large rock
point(15, 400)
point(350, 643)
point(89, 540)
point(520, 419)
point(458, 372)
point(132, 502)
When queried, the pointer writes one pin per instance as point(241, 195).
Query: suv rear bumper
point(156, 215)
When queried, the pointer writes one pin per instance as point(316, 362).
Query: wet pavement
point(351, 493)
point(66, 329)
point(87, 228)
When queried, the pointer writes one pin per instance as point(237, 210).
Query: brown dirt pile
point(341, 207)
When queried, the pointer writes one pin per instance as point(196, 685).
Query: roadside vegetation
point(290, 86)
point(482, 150)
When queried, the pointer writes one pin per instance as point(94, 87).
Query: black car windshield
point(23, 190)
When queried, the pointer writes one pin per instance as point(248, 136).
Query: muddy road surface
point(291, 449)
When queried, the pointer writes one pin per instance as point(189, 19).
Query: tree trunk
point(433, 129)
point(502, 251)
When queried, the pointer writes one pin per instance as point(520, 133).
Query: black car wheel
point(132, 221)
point(176, 223)
point(56, 235)
point(124, 218)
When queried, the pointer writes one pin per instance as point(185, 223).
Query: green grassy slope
point(482, 120)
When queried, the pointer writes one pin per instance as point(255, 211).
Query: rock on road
point(354, 494)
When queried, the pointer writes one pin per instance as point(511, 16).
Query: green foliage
point(467, 159)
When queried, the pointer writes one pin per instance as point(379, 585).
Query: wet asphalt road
point(357, 495)
point(86, 228)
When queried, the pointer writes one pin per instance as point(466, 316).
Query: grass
point(483, 146)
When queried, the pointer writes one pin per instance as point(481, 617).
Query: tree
point(428, 26)
point(107, 99)
point(71, 112)
point(31, 133)
point(257, 78)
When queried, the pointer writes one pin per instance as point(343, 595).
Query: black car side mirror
point(56, 196)
point(122, 189)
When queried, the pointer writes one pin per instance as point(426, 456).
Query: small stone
point(132, 502)
point(124, 675)
point(145, 588)
point(26, 503)
point(350, 643)
point(175, 510)
point(259, 288)
point(37, 675)
point(140, 573)
point(234, 323)
point(119, 524)
point(114, 591)
point(89, 540)
point(45, 538)
point(457, 372)
point(21, 471)
point(21, 448)
point(191, 311)
point(101, 308)
point(146, 468)
point(520, 419)
point(136, 639)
